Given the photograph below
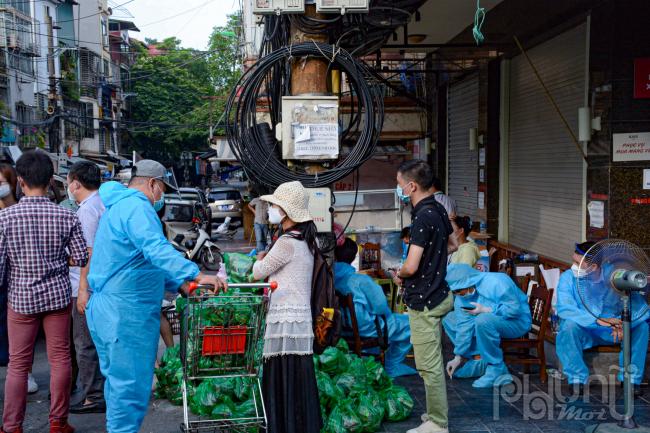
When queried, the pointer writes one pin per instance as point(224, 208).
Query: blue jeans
point(261, 234)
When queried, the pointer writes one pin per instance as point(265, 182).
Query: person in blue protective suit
point(131, 266)
point(488, 306)
point(579, 327)
point(369, 304)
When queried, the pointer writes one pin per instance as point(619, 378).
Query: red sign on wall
point(641, 78)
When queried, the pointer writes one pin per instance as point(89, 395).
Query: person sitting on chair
point(369, 303)
point(580, 328)
point(488, 306)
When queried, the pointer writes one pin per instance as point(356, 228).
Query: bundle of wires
point(254, 143)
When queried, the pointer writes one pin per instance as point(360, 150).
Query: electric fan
point(615, 285)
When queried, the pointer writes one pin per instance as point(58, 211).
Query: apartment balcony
point(19, 33)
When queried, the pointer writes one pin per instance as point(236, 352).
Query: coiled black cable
point(254, 143)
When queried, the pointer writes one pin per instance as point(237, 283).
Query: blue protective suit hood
point(461, 276)
point(113, 192)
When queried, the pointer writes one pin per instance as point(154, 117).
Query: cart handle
point(273, 285)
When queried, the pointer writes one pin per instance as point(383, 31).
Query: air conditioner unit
point(278, 6)
point(342, 6)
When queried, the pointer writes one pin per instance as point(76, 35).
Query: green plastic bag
point(333, 361)
point(242, 389)
point(205, 398)
point(371, 410)
point(357, 368)
point(245, 410)
point(349, 383)
point(224, 409)
point(376, 375)
point(329, 394)
point(239, 267)
point(342, 345)
point(343, 419)
point(398, 403)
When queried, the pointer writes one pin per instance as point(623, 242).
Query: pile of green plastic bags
point(216, 398)
point(356, 394)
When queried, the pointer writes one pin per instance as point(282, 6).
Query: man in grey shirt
point(447, 202)
point(84, 180)
point(261, 210)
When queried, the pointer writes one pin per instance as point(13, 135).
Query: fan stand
point(627, 424)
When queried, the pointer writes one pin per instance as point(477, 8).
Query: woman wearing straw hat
point(289, 381)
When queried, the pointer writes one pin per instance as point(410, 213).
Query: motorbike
point(202, 250)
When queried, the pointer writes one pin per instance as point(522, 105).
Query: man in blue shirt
point(84, 179)
point(370, 305)
point(580, 329)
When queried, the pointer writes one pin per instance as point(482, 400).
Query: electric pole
point(52, 97)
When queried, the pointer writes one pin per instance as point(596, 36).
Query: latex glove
point(453, 365)
point(478, 309)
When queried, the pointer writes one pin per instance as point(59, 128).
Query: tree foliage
point(173, 89)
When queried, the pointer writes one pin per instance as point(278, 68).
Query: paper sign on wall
point(646, 178)
point(481, 200)
point(631, 147)
point(317, 139)
point(481, 156)
point(596, 214)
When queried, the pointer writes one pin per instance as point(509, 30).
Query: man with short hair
point(261, 210)
point(580, 329)
point(427, 294)
point(84, 179)
point(39, 240)
point(447, 202)
point(132, 265)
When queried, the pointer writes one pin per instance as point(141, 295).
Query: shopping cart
point(222, 338)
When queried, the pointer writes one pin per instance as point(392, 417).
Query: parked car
point(197, 196)
point(226, 202)
point(178, 218)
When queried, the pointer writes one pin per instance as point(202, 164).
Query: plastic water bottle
point(528, 257)
point(483, 227)
point(253, 253)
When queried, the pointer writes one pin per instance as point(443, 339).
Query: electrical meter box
point(320, 202)
point(278, 6)
point(342, 6)
point(310, 127)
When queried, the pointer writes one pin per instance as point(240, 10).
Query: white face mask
point(71, 195)
point(275, 216)
point(5, 190)
point(578, 272)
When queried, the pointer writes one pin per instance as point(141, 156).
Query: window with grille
point(88, 119)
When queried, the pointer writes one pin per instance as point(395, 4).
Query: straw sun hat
point(292, 197)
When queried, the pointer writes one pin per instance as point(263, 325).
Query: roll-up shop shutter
point(545, 168)
point(462, 113)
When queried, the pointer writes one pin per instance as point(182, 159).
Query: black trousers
point(291, 394)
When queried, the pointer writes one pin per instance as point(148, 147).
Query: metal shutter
point(545, 169)
point(462, 113)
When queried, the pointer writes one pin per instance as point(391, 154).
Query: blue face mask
point(157, 205)
point(400, 193)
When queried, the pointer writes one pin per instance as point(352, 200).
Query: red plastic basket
point(219, 340)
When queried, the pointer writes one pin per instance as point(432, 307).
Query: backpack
point(325, 312)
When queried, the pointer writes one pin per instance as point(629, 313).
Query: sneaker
point(32, 386)
point(428, 427)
